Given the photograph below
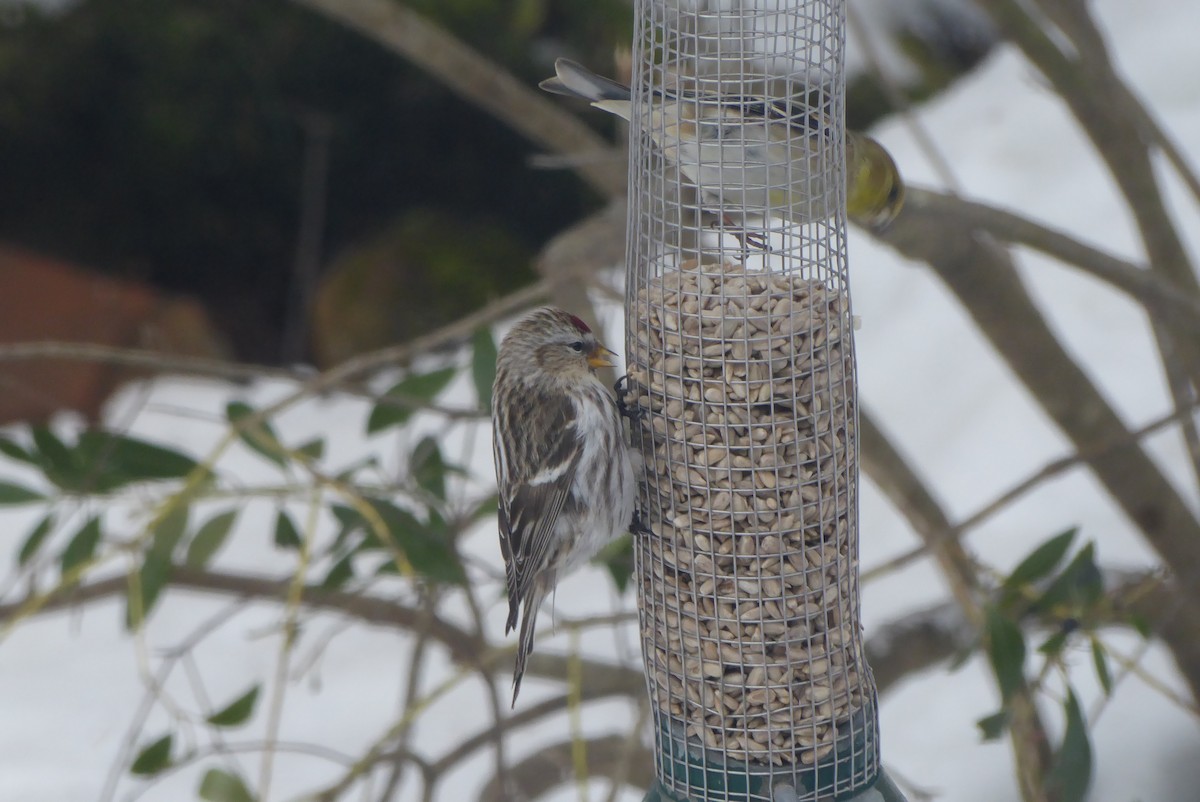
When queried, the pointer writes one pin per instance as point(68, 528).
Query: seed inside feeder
point(751, 600)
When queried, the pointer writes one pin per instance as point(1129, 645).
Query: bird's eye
point(577, 346)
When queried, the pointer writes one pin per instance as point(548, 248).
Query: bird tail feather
point(525, 646)
point(575, 79)
point(514, 606)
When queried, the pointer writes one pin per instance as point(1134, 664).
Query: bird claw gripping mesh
point(741, 367)
point(621, 390)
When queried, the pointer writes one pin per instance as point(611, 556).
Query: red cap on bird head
point(579, 324)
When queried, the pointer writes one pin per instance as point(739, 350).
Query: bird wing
point(801, 119)
point(573, 79)
point(537, 450)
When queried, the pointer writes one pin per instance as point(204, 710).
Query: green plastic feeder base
point(850, 772)
point(882, 790)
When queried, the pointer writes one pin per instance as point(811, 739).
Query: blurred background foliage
point(165, 141)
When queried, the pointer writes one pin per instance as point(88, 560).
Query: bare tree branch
point(336, 378)
point(463, 647)
point(478, 80)
point(156, 361)
point(1027, 730)
point(1077, 64)
point(538, 774)
point(1108, 112)
point(983, 278)
point(892, 474)
point(906, 496)
point(600, 682)
point(928, 637)
point(1157, 293)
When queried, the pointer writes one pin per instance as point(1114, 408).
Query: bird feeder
point(741, 359)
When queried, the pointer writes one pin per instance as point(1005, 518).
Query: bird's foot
point(749, 240)
point(632, 413)
point(756, 240)
point(638, 525)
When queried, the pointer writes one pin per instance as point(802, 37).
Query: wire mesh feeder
point(741, 357)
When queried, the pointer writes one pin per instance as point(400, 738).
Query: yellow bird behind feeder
point(730, 149)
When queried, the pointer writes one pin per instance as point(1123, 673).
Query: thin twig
point(487, 673)
point(1174, 155)
point(283, 658)
point(146, 706)
point(575, 717)
point(1154, 683)
point(412, 686)
point(1077, 63)
point(248, 747)
point(1047, 472)
point(331, 379)
point(632, 743)
point(1151, 289)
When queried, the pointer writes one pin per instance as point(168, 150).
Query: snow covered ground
point(69, 683)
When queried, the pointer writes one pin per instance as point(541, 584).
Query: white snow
point(69, 681)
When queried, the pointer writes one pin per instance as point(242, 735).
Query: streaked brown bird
point(563, 468)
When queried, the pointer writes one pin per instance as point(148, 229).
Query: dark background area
point(164, 141)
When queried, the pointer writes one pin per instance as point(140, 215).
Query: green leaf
point(260, 438)
point(416, 389)
point(1040, 563)
point(286, 534)
point(617, 557)
point(426, 545)
point(1100, 661)
point(11, 494)
point(341, 573)
point(1076, 589)
point(349, 522)
point(1071, 773)
point(1054, 645)
point(483, 365)
point(153, 576)
point(12, 450)
point(153, 758)
point(485, 508)
point(348, 474)
point(59, 463)
point(157, 565)
point(34, 540)
point(428, 468)
point(1006, 652)
point(313, 449)
point(124, 459)
point(1141, 626)
point(993, 726)
point(170, 531)
point(210, 538)
point(394, 519)
point(237, 711)
point(82, 546)
point(221, 786)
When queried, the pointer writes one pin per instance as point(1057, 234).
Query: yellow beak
point(601, 357)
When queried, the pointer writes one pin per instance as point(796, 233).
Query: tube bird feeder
point(741, 359)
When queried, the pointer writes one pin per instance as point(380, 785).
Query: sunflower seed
point(748, 437)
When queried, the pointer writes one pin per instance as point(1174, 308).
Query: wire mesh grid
point(741, 359)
